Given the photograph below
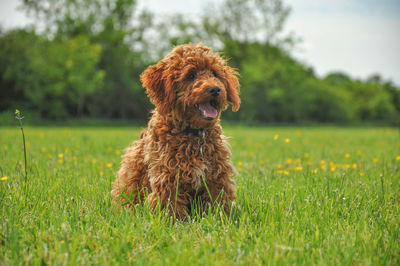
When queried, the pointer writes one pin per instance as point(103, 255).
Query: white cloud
point(356, 43)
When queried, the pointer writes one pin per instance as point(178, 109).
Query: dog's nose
point(214, 91)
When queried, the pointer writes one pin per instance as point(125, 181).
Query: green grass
point(328, 196)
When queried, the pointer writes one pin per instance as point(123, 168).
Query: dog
point(182, 156)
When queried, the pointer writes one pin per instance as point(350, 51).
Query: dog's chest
point(197, 161)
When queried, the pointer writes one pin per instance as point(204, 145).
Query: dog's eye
point(215, 74)
point(191, 76)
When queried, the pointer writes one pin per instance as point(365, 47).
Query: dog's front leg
point(219, 194)
point(164, 192)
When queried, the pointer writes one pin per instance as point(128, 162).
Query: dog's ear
point(158, 87)
point(233, 87)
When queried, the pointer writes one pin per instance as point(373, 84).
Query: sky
point(357, 37)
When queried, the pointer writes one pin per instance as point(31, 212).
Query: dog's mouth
point(208, 110)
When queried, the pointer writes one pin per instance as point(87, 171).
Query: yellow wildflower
point(66, 150)
point(251, 154)
point(347, 166)
point(261, 162)
point(117, 152)
point(109, 165)
point(375, 160)
point(333, 169)
point(288, 160)
point(279, 166)
point(362, 174)
point(287, 140)
point(315, 170)
point(109, 149)
point(240, 163)
point(306, 155)
point(276, 136)
point(354, 166)
point(60, 155)
point(101, 173)
point(74, 158)
point(398, 158)
point(323, 167)
point(322, 162)
point(43, 149)
point(299, 168)
point(4, 178)
point(347, 155)
point(60, 161)
point(285, 172)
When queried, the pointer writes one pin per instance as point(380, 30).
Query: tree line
point(83, 58)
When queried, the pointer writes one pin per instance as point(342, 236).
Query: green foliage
point(305, 196)
point(87, 61)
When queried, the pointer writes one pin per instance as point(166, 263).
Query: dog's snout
point(214, 91)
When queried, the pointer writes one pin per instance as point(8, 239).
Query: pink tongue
point(207, 110)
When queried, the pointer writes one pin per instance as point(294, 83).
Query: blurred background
point(300, 62)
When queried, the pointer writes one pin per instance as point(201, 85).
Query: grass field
point(305, 196)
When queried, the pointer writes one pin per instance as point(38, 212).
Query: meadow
point(318, 195)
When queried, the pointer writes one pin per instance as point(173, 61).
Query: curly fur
point(180, 144)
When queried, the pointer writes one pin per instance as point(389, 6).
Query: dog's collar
point(195, 131)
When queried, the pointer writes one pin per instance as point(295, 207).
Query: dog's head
point(192, 83)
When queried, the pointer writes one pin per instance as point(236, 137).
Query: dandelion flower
point(306, 155)
point(322, 162)
point(315, 171)
point(240, 163)
point(362, 174)
point(66, 150)
point(251, 154)
point(276, 136)
point(299, 168)
point(287, 140)
point(375, 160)
point(109, 165)
point(354, 166)
point(347, 155)
point(4, 178)
point(117, 152)
point(398, 158)
point(333, 169)
point(289, 160)
point(60, 155)
point(285, 172)
point(279, 166)
point(60, 161)
point(101, 173)
point(43, 149)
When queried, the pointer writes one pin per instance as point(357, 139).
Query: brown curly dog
point(182, 156)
